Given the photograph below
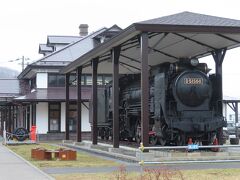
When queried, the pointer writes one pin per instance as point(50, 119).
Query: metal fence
point(190, 154)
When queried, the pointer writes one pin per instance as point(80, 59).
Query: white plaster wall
point(85, 118)
point(225, 113)
point(42, 118)
point(63, 118)
point(42, 80)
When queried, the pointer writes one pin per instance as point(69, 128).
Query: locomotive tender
point(181, 102)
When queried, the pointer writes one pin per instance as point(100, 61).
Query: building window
point(73, 80)
point(33, 83)
point(72, 117)
point(54, 117)
point(88, 80)
point(100, 80)
point(56, 80)
point(107, 79)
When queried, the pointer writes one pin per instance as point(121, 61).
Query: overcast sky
point(26, 23)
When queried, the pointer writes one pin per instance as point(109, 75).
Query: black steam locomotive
point(181, 103)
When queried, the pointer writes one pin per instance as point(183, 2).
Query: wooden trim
point(59, 120)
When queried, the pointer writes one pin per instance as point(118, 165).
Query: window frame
point(59, 120)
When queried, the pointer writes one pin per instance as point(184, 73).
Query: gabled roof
point(62, 39)
point(44, 48)
point(65, 55)
point(9, 87)
point(112, 31)
point(182, 35)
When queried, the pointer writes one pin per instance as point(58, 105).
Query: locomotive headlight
point(194, 62)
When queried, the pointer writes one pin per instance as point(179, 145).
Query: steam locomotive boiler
point(181, 104)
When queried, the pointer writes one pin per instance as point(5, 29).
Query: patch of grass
point(223, 174)
point(83, 159)
point(85, 176)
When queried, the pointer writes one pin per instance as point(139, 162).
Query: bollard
point(141, 163)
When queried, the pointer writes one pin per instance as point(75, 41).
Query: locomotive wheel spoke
point(162, 141)
point(153, 140)
point(138, 139)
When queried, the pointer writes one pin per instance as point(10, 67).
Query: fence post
point(141, 162)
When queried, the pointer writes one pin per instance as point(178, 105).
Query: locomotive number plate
point(193, 81)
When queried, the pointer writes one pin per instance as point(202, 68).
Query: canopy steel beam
point(166, 54)
point(79, 105)
point(129, 47)
point(197, 42)
point(144, 90)
point(94, 100)
point(132, 59)
point(228, 38)
point(85, 105)
point(67, 77)
point(232, 106)
point(160, 40)
point(115, 98)
point(125, 64)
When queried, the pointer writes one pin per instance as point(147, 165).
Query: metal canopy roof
point(183, 35)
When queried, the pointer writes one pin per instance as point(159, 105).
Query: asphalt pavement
point(136, 168)
point(14, 167)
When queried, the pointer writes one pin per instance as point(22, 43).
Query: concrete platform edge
point(99, 152)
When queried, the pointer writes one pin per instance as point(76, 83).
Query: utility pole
point(22, 59)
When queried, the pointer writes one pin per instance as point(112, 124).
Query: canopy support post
point(79, 104)
point(67, 76)
point(94, 100)
point(115, 96)
point(144, 90)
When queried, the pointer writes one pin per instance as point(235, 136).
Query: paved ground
point(137, 168)
point(131, 166)
point(14, 167)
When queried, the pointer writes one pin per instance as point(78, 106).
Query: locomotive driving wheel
point(152, 140)
point(220, 135)
point(181, 139)
point(21, 134)
point(162, 141)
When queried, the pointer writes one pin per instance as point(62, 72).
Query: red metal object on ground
point(38, 153)
point(68, 155)
point(190, 141)
point(33, 133)
point(215, 142)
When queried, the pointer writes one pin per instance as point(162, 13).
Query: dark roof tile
point(194, 19)
point(54, 94)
